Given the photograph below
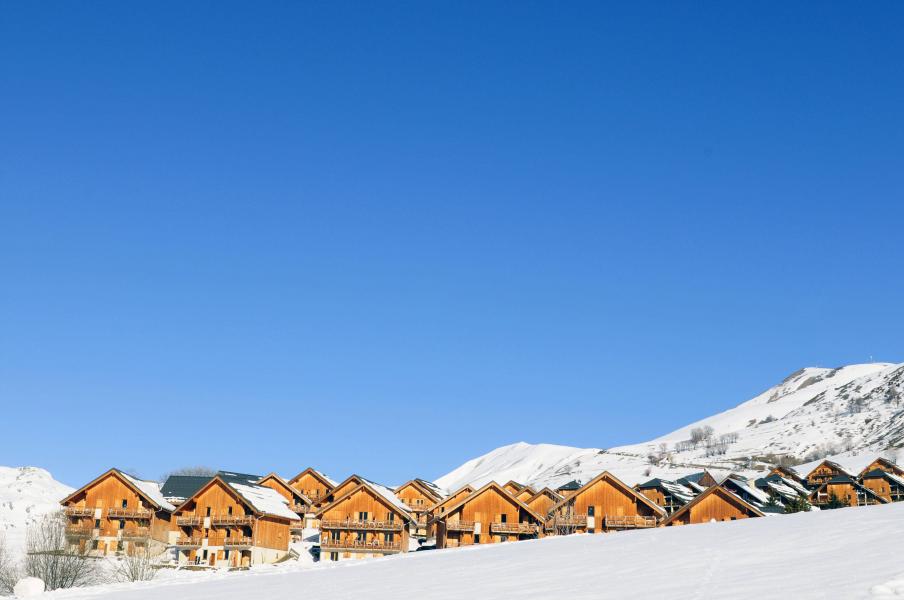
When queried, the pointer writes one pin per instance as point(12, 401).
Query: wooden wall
point(609, 499)
point(377, 508)
point(310, 486)
point(485, 508)
point(715, 506)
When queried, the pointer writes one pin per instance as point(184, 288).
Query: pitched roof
point(551, 493)
point(847, 479)
point(285, 485)
point(726, 495)
point(149, 490)
point(326, 481)
point(381, 491)
point(177, 488)
point(430, 490)
point(465, 488)
point(259, 498)
point(679, 492)
point(893, 477)
point(617, 483)
point(572, 485)
point(498, 488)
point(515, 484)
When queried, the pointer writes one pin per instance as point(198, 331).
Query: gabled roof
point(351, 479)
point(679, 492)
point(177, 488)
point(326, 481)
point(829, 463)
point(789, 489)
point(149, 490)
point(427, 488)
point(498, 488)
point(847, 479)
point(721, 492)
point(465, 488)
point(518, 486)
point(285, 485)
point(742, 487)
point(260, 499)
point(551, 493)
point(892, 477)
point(617, 483)
point(788, 472)
point(381, 492)
point(571, 486)
point(885, 463)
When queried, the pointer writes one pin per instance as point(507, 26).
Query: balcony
point(189, 521)
point(80, 532)
point(628, 522)
point(79, 511)
point(187, 542)
point(361, 546)
point(366, 525)
point(129, 513)
point(137, 533)
point(296, 526)
point(298, 508)
point(238, 542)
point(229, 520)
point(459, 525)
point(514, 528)
point(567, 521)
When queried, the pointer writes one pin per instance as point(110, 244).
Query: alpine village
point(234, 520)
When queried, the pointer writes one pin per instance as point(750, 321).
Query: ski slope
point(845, 554)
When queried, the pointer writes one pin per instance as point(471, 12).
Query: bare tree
point(138, 564)
point(9, 573)
point(51, 558)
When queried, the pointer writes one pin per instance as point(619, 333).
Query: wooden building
point(543, 501)
point(568, 489)
point(884, 465)
point(889, 486)
point(604, 503)
point(525, 493)
point(825, 471)
point(788, 473)
point(487, 516)
point(364, 521)
point(116, 513)
point(670, 495)
point(782, 489)
point(439, 509)
point(846, 491)
point(513, 487)
point(233, 521)
point(298, 503)
point(713, 504)
point(314, 485)
point(419, 496)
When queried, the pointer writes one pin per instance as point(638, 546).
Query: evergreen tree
point(835, 502)
point(800, 504)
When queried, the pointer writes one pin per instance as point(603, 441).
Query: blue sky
point(386, 238)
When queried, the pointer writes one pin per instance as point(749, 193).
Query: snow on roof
point(388, 495)
point(679, 492)
point(264, 499)
point(440, 492)
point(151, 489)
point(744, 486)
point(327, 478)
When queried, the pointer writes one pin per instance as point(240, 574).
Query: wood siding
point(481, 511)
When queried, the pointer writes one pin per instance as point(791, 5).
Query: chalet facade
point(116, 513)
point(420, 496)
point(298, 503)
point(714, 504)
point(513, 487)
point(670, 495)
point(366, 520)
point(439, 509)
point(825, 471)
point(489, 515)
point(844, 490)
point(233, 521)
point(543, 501)
point(313, 485)
point(604, 503)
point(782, 490)
point(884, 465)
point(525, 493)
point(889, 486)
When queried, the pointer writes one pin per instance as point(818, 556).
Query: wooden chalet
point(419, 496)
point(714, 504)
point(568, 489)
point(525, 493)
point(298, 503)
point(233, 521)
point(513, 487)
point(314, 485)
point(366, 520)
point(543, 501)
point(884, 465)
point(487, 516)
point(788, 473)
point(116, 513)
point(782, 489)
point(884, 484)
point(439, 509)
point(604, 503)
point(670, 495)
point(846, 490)
point(825, 471)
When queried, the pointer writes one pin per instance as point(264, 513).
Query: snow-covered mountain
point(856, 409)
point(26, 494)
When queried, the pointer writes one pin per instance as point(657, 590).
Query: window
point(591, 511)
point(362, 516)
point(391, 517)
point(229, 511)
point(122, 524)
point(208, 511)
point(361, 536)
point(334, 535)
point(226, 553)
point(204, 555)
point(228, 533)
point(97, 523)
point(119, 546)
point(390, 537)
point(476, 538)
point(125, 503)
point(503, 538)
point(94, 544)
point(334, 556)
point(503, 518)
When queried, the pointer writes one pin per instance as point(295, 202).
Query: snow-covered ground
point(854, 411)
point(26, 494)
point(849, 553)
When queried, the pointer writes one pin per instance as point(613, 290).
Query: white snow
point(26, 494)
point(388, 495)
point(265, 500)
point(151, 489)
point(849, 553)
point(29, 587)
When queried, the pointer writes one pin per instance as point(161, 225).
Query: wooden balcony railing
point(79, 511)
point(298, 508)
point(517, 528)
point(356, 524)
point(189, 521)
point(628, 522)
point(187, 542)
point(231, 520)
point(129, 513)
point(80, 532)
point(459, 525)
point(237, 542)
point(568, 521)
point(296, 525)
point(136, 533)
point(372, 545)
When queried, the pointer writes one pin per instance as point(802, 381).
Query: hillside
point(849, 554)
point(26, 493)
point(857, 409)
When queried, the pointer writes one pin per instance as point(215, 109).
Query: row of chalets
point(239, 520)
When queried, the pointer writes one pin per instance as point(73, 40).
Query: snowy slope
point(26, 493)
point(851, 553)
point(850, 410)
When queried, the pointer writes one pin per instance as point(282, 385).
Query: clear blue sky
point(388, 237)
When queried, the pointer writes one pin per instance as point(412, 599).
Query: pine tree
point(800, 504)
point(835, 502)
